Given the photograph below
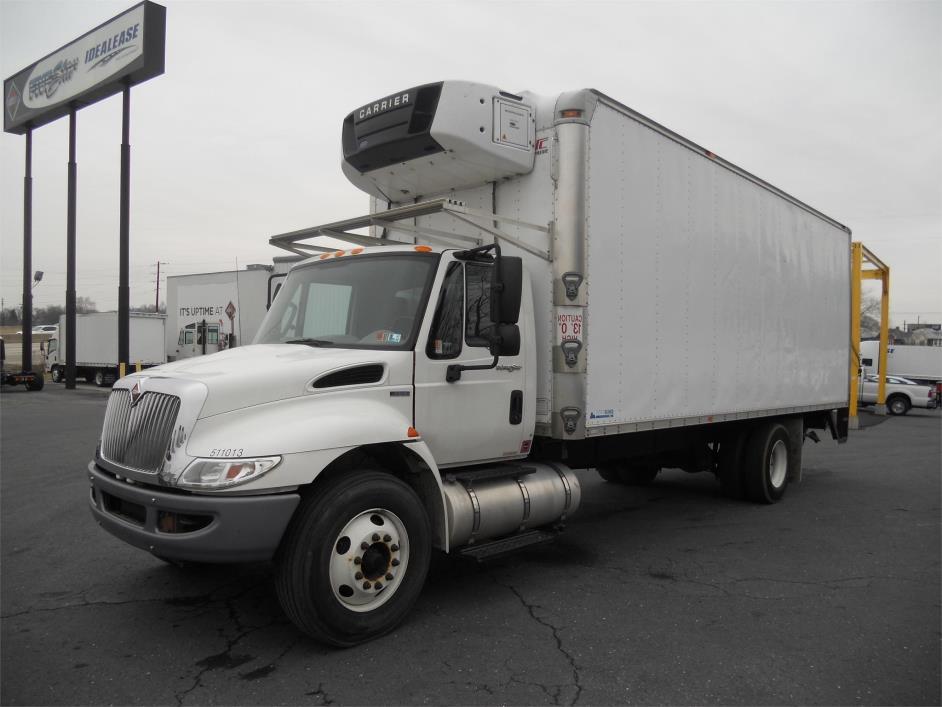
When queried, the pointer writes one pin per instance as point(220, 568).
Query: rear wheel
point(766, 463)
point(36, 383)
point(898, 405)
point(354, 558)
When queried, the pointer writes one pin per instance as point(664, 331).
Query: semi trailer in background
point(543, 284)
point(96, 346)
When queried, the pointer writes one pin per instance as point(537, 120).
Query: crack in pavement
point(531, 609)
point(320, 692)
point(225, 658)
point(269, 668)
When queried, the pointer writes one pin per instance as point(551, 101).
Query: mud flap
point(796, 438)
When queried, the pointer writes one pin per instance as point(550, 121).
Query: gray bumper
point(234, 528)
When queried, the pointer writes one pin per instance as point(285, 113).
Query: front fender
point(310, 433)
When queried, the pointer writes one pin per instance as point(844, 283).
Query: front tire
point(354, 558)
point(57, 374)
point(766, 463)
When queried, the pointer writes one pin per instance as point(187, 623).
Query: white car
point(901, 394)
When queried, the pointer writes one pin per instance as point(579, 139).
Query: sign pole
point(27, 318)
point(124, 290)
point(70, 260)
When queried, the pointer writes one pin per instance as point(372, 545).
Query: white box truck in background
point(96, 346)
point(198, 305)
point(921, 364)
point(549, 283)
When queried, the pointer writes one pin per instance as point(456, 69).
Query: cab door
point(480, 417)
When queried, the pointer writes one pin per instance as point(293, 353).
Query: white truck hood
point(263, 373)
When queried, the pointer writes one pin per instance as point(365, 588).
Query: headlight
point(213, 474)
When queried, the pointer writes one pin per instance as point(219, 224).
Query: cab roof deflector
point(391, 220)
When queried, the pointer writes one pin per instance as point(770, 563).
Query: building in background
point(209, 312)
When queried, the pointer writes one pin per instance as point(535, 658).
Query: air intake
point(358, 375)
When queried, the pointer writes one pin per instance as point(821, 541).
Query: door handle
point(516, 407)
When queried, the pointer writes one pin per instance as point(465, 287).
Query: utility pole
point(157, 297)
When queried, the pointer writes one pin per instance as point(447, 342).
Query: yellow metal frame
point(877, 270)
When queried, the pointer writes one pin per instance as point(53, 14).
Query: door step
point(505, 546)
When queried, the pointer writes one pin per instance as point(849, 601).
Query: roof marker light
point(412, 432)
point(356, 251)
point(423, 249)
point(571, 113)
point(325, 255)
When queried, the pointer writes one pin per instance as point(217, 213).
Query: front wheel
point(354, 558)
point(56, 374)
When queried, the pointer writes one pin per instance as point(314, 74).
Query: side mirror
point(506, 340)
point(506, 288)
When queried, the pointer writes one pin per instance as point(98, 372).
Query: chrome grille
point(138, 436)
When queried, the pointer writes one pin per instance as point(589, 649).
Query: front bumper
point(190, 527)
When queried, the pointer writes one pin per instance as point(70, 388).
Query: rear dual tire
point(757, 465)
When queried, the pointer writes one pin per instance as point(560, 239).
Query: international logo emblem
point(136, 392)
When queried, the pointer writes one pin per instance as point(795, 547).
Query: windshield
point(367, 301)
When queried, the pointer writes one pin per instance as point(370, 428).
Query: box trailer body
point(546, 284)
point(198, 302)
point(96, 345)
point(705, 294)
point(922, 364)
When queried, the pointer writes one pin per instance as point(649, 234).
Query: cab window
point(478, 324)
point(444, 339)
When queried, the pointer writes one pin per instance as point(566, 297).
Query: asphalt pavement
point(670, 594)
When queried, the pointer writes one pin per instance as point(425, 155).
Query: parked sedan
point(901, 394)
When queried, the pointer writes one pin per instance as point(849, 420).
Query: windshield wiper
point(311, 342)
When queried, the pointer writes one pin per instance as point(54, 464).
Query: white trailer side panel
point(96, 341)
point(147, 340)
point(923, 362)
point(708, 294)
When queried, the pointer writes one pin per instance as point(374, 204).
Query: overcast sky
point(839, 104)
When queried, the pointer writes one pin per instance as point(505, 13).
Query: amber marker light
point(423, 249)
point(325, 255)
point(412, 432)
point(356, 251)
point(570, 114)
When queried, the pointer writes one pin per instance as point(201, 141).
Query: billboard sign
point(126, 50)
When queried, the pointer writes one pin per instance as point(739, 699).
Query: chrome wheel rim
point(778, 464)
point(368, 559)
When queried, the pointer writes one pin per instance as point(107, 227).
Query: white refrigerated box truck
point(96, 346)
point(543, 284)
point(922, 364)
